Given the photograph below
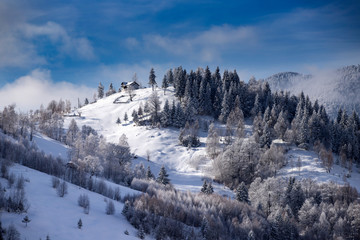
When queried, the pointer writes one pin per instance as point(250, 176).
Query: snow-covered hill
point(333, 89)
point(311, 167)
point(57, 217)
point(186, 167)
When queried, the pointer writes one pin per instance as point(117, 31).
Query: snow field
point(58, 217)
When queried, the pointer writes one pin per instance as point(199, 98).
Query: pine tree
point(79, 224)
point(204, 187)
point(100, 91)
point(242, 193)
point(149, 174)
point(152, 81)
point(126, 208)
point(135, 117)
point(126, 117)
point(26, 220)
point(140, 111)
point(118, 121)
point(163, 177)
point(166, 119)
point(209, 189)
point(165, 84)
point(86, 101)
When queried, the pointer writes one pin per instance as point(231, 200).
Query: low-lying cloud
point(30, 91)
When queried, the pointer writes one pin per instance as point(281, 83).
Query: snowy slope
point(163, 144)
point(50, 146)
point(311, 167)
point(58, 217)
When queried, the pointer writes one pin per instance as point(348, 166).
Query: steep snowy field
point(311, 167)
point(58, 217)
point(185, 166)
point(51, 147)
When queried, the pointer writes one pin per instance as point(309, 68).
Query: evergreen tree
point(209, 189)
point(152, 77)
point(86, 101)
point(242, 193)
point(135, 117)
point(118, 121)
point(170, 77)
point(265, 139)
point(166, 118)
point(111, 90)
point(26, 220)
point(100, 91)
point(140, 111)
point(149, 174)
point(163, 177)
point(126, 118)
point(165, 83)
point(204, 187)
point(79, 224)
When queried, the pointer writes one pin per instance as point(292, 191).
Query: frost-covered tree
point(110, 207)
point(111, 90)
point(213, 142)
point(242, 193)
point(152, 81)
point(165, 83)
point(155, 108)
point(166, 118)
point(163, 177)
point(149, 174)
point(204, 187)
point(62, 189)
point(100, 91)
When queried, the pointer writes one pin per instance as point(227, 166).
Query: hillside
point(57, 217)
point(186, 167)
point(333, 89)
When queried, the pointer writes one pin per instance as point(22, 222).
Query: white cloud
point(18, 38)
point(79, 47)
point(30, 91)
point(209, 45)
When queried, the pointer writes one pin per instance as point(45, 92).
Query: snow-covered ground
point(58, 217)
point(50, 146)
point(162, 144)
point(311, 167)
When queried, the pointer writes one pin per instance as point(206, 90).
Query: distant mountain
point(333, 89)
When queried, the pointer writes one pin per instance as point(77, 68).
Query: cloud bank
point(30, 91)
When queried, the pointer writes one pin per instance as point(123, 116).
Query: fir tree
point(204, 187)
point(118, 121)
point(149, 174)
point(209, 189)
point(163, 177)
point(79, 224)
point(152, 77)
point(100, 91)
point(86, 101)
point(242, 193)
point(126, 117)
point(26, 220)
point(140, 111)
point(166, 118)
point(165, 84)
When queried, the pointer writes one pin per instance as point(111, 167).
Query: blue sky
point(82, 42)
